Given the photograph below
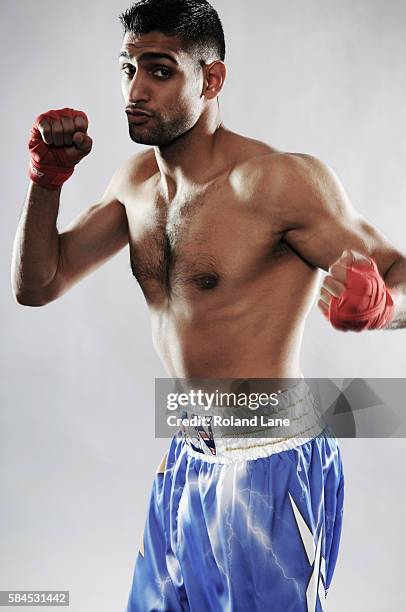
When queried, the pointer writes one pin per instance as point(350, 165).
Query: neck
point(188, 159)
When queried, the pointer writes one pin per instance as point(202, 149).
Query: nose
point(138, 90)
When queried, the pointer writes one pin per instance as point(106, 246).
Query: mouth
point(136, 116)
point(137, 112)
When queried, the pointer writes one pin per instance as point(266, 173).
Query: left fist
point(334, 284)
point(353, 297)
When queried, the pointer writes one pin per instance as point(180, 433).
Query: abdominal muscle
point(228, 351)
point(251, 333)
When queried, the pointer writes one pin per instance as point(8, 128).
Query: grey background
point(77, 446)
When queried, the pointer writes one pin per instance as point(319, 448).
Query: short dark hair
point(195, 22)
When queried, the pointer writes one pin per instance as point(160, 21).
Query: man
point(226, 236)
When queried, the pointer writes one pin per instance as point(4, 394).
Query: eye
point(207, 281)
point(165, 73)
point(128, 70)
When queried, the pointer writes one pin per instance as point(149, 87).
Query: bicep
point(323, 223)
point(91, 239)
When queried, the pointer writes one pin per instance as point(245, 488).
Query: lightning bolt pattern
point(249, 535)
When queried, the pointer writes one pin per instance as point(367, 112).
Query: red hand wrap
point(50, 166)
point(365, 304)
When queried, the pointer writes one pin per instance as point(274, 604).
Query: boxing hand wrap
point(365, 304)
point(50, 165)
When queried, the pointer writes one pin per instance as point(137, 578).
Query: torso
point(227, 296)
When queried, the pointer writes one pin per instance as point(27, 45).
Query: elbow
point(34, 295)
point(40, 295)
point(24, 297)
point(28, 300)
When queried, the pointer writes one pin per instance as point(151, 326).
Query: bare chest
point(206, 241)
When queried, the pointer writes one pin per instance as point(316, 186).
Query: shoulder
point(306, 188)
point(297, 173)
point(299, 178)
point(132, 173)
point(283, 172)
point(292, 184)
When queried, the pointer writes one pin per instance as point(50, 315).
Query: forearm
point(36, 246)
point(395, 280)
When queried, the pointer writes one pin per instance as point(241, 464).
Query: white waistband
point(222, 443)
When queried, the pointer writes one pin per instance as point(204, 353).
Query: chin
point(144, 140)
point(149, 138)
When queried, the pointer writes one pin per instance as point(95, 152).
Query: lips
point(137, 117)
point(135, 112)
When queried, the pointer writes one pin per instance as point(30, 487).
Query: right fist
point(57, 143)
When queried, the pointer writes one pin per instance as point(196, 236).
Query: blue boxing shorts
point(243, 524)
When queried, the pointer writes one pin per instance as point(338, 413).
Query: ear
point(214, 77)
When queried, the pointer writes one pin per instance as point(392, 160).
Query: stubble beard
point(161, 134)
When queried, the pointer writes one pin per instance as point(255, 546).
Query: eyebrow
point(148, 55)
